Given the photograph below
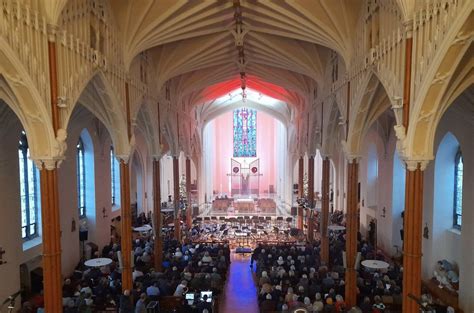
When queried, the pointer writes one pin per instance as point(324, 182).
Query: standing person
point(126, 305)
point(141, 304)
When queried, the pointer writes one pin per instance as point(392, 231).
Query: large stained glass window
point(28, 190)
point(245, 133)
point(458, 175)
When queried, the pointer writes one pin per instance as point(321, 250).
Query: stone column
point(189, 216)
point(325, 212)
point(351, 232)
point(309, 215)
point(52, 280)
point(158, 248)
point(177, 211)
point(412, 232)
point(126, 225)
point(311, 181)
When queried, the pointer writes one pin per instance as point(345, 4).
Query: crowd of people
point(186, 268)
point(291, 277)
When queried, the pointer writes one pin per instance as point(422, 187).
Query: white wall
point(444, 242)
point(376, 179)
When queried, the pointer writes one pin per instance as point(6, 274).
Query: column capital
point(52, 31)
point(124, 158)
point(47, 163)
point(325, 156)
point(413, 165)
point(408, 28)
point(353, 158)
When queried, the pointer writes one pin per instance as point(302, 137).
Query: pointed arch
point(370, 103)
point(19, 92)
point(100, 99)
point(450, 73)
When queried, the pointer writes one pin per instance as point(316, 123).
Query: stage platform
point(233, 207)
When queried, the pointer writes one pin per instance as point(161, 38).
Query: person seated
point(136, 274)
point(181, 289)
point(203, 305)
point(153, 292)
point(378, 306)
point(268, 305)
point(318, 304)
point(206, 258)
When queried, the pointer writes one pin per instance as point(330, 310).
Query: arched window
point(28, 190)
point(81, 178)
point(114, 179)
point(458, 175)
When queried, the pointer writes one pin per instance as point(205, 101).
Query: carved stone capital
point(408, 28)
point(52, 31)
point(47, 163)
point(353, 158)
point(413, 165)
point(124, 158)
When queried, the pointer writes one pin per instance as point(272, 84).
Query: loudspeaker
point(344, 260)
point(294, 211)
point(83, 235)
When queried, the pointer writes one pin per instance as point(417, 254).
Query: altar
point(244, 205)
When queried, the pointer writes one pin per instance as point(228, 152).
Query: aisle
point(240, 292)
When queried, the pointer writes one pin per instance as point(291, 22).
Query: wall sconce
point(103, 213)
point(426, 232)
point(383, 212)
point(2, 252)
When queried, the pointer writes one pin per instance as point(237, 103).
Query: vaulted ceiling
point(193, 44)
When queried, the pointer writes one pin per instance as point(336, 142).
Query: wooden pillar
point(351, 233)
point(412, 231)
point(189, 216)
point(158, 249)
point(300, 217)
point(300, 177)
point(126, 225)
point(177, 211)
point(325, 212)
point(52, 280)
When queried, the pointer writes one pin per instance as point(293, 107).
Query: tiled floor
point(240, 292)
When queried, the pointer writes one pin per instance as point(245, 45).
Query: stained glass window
point(458, 176)
point(245, 133)
point(81, 178)
point(28, 190)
